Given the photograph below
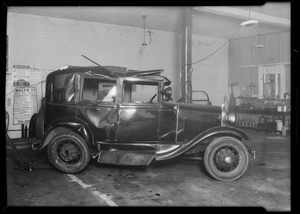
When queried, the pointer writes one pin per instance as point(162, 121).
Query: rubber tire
point(238, 171)
point(82, 145)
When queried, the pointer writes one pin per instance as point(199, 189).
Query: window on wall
point(99, 90)
point(140, 92)
point(269, 86)
point(271, 82)
point(62, 89)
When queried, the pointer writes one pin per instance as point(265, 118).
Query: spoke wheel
point(68, 152)
point(226, 159)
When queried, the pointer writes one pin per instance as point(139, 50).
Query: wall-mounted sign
point(23, 75)
point(25, 104)
point(21, 83)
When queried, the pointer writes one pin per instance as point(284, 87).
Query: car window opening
point(62, 89)
point(99, 90)
point(140, 92)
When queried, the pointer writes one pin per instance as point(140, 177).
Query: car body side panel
point(54, 111)
point(101, 119)
point(196, 118)
point(59, 102)
point(137, 123)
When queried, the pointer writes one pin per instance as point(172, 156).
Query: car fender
point(200, 140)
point(67, 125)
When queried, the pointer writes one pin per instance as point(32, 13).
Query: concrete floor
point(179, 182)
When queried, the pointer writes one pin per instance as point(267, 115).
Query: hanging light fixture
point(144, 20)
point(250, 23)
point(259, 45)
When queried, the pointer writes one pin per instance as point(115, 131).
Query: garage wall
point(242, 53)
point(48, 43)
point(211, 74)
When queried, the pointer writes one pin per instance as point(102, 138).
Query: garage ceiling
point(219, 22)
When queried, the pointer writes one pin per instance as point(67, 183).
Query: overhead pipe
point(187, 27)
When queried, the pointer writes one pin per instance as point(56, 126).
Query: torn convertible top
point(111, 72)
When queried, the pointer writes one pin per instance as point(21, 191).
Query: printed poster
point(25, 104)
point(23, 75)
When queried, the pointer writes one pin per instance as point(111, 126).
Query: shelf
point(259, 129)
point(261, 111)
point(254, 98)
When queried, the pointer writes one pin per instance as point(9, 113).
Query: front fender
point(230, 130)
point(65, 125)
point(200, 139)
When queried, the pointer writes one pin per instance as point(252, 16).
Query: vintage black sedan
point(127, 117)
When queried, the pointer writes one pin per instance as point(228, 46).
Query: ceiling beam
point(244, 14)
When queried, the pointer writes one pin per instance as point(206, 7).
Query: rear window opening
point(99, 90)
point(62, 89)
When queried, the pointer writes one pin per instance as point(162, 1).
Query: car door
point(97, 106)
point(168, 123)
point(138, 111)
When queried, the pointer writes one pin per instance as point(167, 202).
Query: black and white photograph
point(148, 106)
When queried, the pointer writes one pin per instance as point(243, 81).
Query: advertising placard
point(25, 104)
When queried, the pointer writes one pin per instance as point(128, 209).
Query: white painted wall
point(211, 74)
point(49, 43)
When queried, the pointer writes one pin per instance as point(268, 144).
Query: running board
point(126, 157)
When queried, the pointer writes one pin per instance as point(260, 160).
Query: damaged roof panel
point(112, 72)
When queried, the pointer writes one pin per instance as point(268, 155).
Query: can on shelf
point(279, 125)
point(253, 124)
point(284, 108)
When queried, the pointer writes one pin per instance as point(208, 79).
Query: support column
point(187, 27)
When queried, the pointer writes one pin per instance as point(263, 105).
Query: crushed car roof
point(112, 72)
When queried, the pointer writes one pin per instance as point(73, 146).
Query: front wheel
point(226, 159)
point(68, 152)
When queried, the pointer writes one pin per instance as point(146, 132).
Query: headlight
point(231, 118)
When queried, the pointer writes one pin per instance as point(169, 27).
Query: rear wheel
point(68, 152)
point(226, 159)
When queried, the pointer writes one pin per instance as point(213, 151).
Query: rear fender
point(201, 141)
point(40, 122)
point(63, 125)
